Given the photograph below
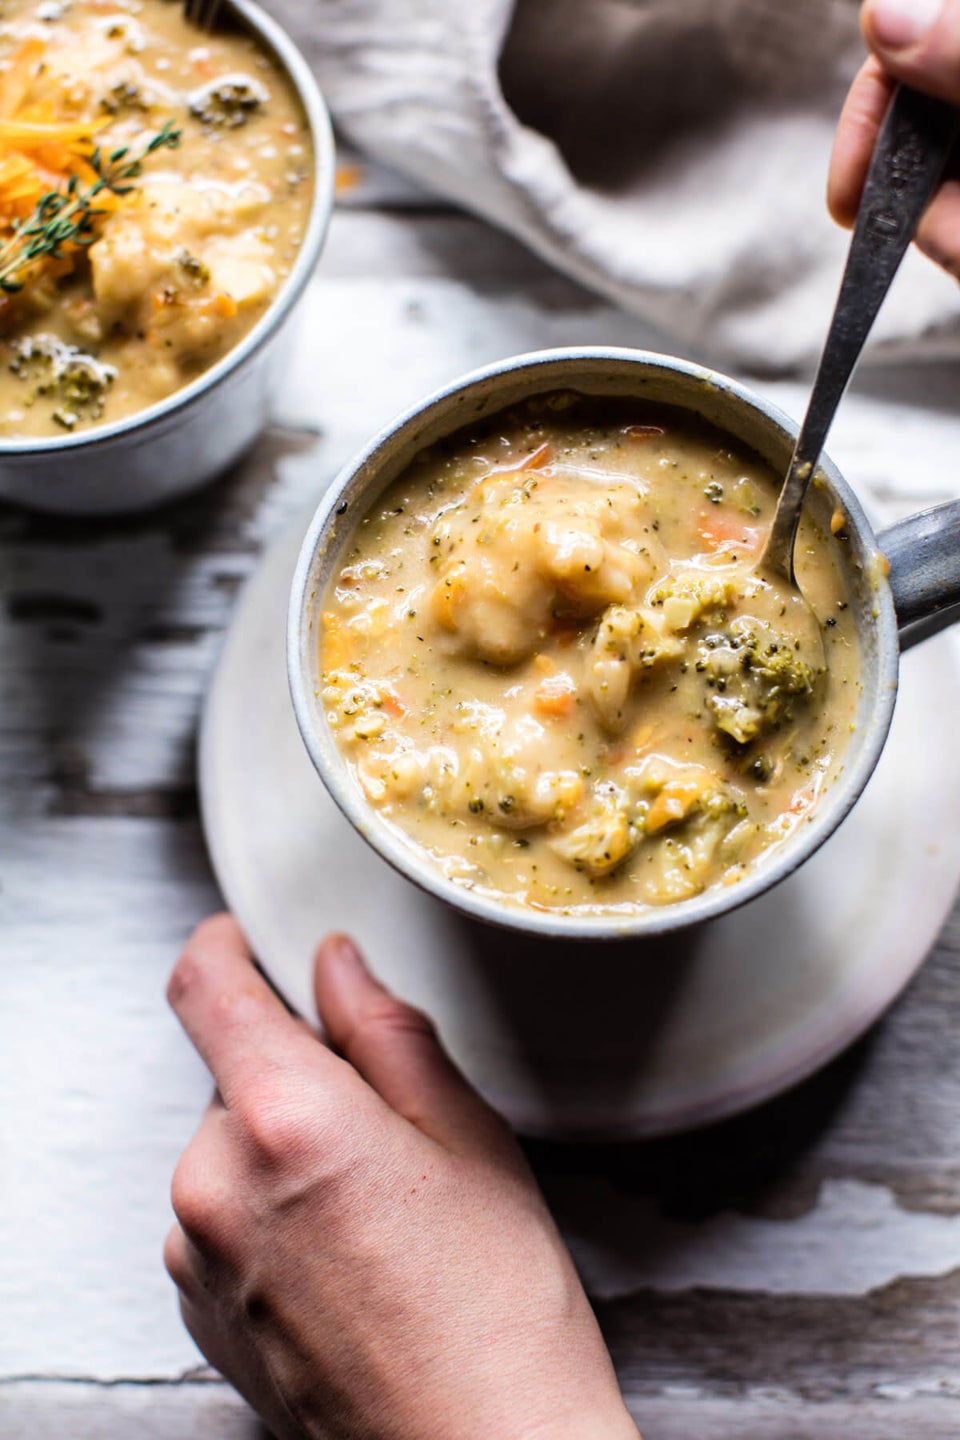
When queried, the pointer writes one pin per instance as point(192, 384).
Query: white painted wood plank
point(680, 1416)
point(107, 1091)
point(45, 1411)
point(853, 1240)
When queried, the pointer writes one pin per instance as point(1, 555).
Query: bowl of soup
point(535, 663)
point(164, 196)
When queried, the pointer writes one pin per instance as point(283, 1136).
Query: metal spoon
point(915, 140)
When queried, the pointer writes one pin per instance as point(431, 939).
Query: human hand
point(918, 42)
point(361, 1247)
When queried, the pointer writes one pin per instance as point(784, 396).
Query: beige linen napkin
point(669, 154)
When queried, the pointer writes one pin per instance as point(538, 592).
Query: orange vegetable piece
point(554, 696)
point(721, 532)
point(15, 82)
point(675, 801)
point(537, 458)
point(565, 631)
point(801, 802)
point(393, 704)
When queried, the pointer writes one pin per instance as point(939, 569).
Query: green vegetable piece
point(194, 269)
point(753, 676)
point(124, 97)
point(76, 382)
point(229, 102)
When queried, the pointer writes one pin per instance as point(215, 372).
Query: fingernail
point(344, 952)
point(898, 24)
point(348, 959)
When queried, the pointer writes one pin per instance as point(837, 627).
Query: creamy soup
point(178, 168)
point(548, 659)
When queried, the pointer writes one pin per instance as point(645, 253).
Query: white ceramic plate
point(581, 1040)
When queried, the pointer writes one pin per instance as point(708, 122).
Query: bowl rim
point(415, 862)
point(269, 33)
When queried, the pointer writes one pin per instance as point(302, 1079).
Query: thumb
point(918, 42)
point(396, 1050)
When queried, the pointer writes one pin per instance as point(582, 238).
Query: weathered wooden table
point(788, 1275)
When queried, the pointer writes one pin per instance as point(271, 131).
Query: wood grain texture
point(790, 1274)
point(45, 1410)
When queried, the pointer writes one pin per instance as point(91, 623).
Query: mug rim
point(360, 475)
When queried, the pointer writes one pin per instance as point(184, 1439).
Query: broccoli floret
point(753, 676)
point(229, 102)
point(195, 271)
point(689, 594)
point(681, 860)
point(76, 382)
point(124, 97)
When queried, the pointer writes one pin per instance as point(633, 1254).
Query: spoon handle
point(915, 140)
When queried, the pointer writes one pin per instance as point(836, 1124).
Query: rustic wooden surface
point(789, 1275)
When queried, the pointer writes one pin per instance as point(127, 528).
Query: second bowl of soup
point(164, 194)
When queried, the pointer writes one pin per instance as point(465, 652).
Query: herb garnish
point(69, 217)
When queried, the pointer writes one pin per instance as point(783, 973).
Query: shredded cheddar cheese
point(40, 153)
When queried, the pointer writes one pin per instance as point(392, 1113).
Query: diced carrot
point(393, 704)
point(554, 696)
point(565, 631)
point(801, 802)
point(537, 458)
point(727, 532)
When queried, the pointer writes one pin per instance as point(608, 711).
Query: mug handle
point(924, 556)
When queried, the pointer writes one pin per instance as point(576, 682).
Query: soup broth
point(549, 661)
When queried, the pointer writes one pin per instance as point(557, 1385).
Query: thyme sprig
point(70, 216)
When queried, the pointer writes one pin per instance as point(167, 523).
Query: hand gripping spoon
point(915, 140)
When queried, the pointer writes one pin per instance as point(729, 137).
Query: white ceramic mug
point(892, 611)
